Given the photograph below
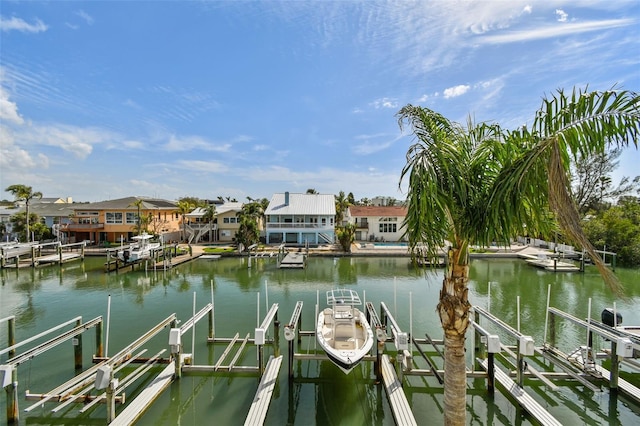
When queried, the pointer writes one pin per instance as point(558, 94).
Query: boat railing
point(343, 297)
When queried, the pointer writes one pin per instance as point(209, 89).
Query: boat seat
point(328, 316)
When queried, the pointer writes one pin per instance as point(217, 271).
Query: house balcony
point(79, 227)
point(362, 225)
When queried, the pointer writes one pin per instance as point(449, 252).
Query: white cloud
point(8, 109)
point(85, 16)
point(17, 24)
point(562, 15)
point(189, 143)
point(552, 31)
point(203, 166)
point(527, 9)
point(453, 92)
point(384, 103)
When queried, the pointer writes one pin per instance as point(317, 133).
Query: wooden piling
point(13, 415)
point(11, 335)
point(77, 348)
point(99, 345)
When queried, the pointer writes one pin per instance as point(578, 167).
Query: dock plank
point(524, 399)
point(399, 405)
point(134, 410)
point(262, 400)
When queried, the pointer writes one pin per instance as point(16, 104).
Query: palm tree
point(138, 203)
point(184, 207)
point(24, 193)
point(209, 216)
point(477, 184)
point(342, 204)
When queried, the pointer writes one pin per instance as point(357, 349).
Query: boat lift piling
point(9, 376)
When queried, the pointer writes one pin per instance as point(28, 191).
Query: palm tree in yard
point(184, 208)
point(476, 184)
point(138, 203)
point(24, 193)
point(209, 216)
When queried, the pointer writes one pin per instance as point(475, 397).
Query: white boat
point(342, 329)
point(141, 249)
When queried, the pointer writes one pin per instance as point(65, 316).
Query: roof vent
point(286, 198)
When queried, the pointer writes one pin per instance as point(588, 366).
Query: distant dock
point(294, 260)
point(549, 263)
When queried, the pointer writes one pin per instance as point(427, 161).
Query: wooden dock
point(136, 408)
point(525, 400)
point(262, 400)
point(294, 260)
point(551, 263)
point(399, 405)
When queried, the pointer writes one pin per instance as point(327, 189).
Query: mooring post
point(290, 350)
point(399, 369)
point(11, 335)
point(77, 347)
point(276, 335)
point(99, 347)
point(59, 250)
point(111, 401)
point(615, 367)
point(379, 352)
point(12, 398)
point(33, 256)
point(520, 375)
point(491, 374)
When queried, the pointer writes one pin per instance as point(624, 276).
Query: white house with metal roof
point(301, 218)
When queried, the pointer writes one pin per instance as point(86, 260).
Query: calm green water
point(320, 394)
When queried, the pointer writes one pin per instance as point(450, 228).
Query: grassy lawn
point(218, 250)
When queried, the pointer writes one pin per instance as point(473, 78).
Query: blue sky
point(108, 99)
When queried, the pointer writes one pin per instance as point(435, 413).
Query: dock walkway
point(260, 405)
point(525, 400)
point(139, 405)
point(399, 405)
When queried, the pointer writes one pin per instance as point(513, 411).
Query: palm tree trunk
point(453, 309)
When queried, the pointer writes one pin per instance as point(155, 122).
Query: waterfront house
point(300, 218)
point(377, 223)
point(228, 221)
point(116, 220)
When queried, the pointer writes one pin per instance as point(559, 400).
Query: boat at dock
point(343, 331)
point(141, 249)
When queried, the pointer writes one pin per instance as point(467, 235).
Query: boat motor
point(607, 317)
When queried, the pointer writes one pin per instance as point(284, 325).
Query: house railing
point(291, 225)
point(81, 226)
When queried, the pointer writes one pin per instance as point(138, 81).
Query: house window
point(113, 217)
point(388, 227)
point(131, 218)
point(230, 220)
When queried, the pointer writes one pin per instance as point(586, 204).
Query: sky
point(108, 99)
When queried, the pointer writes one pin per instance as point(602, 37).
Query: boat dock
point(293, 260)
point(402, 413)
point(260, 404)
point(503, 356)
point(549, 263)
point(21, 255)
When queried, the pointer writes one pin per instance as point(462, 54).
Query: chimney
point(286, 198)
